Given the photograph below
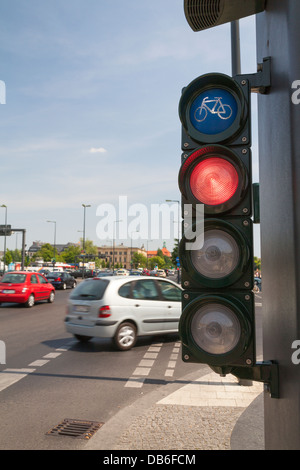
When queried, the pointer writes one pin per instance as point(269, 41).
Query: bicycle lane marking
point(10, 376)
point(143, 369)
point(173, 360)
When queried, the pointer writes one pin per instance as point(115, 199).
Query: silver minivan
point(123, 308)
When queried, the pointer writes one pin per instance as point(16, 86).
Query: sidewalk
point(208, 413)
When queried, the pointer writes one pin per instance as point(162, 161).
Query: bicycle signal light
point(213, 109)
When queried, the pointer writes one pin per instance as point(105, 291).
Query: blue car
point(61, 280)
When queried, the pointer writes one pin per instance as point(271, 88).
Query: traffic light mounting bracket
point(266, 372)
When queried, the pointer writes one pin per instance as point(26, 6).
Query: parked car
point(25, 288)
point(75, 273)
point(87, 273)
point(135, 272)
point(44, 272)
point(122, 272)
point(161, 273)
point(153, 272)
point(257, 284)
point(62, 280)
point(104, 273)
point(123, 308)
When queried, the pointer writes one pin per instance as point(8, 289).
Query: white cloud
point(98, 150)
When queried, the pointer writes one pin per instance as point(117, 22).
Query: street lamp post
point(5, 207)
point(84, 208)
point(178, 202)
point(135, 231)
point(83, 240)
point(54, 246)
point(147, 250)
point(115, 222)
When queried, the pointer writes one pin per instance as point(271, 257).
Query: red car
point(25, 288)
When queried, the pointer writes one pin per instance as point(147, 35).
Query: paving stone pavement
point(201, 415)
point(181, 428)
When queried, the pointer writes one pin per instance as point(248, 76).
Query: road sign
point(5, 230)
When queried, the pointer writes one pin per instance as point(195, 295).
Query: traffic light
point(217, 325)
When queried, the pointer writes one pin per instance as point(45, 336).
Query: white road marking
point(173, 360)
point(52, 355)
point(144, 366)
point(10, 376)
point(39, 363)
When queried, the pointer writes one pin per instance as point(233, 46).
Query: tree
point(156, 261)
point(175, 252)
point(71, 254)
point(139, 260)
point(257, 263)
point(46, 253)
point(89, 247)
point(8, 257)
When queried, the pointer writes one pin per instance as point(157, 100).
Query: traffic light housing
point(204, 14)
point(217, 325)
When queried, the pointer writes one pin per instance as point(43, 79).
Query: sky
point(91, 114)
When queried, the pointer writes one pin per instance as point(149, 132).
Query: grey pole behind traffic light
point(278, 37)
point(235, 48)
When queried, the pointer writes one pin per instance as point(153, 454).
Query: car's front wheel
point(125, 336)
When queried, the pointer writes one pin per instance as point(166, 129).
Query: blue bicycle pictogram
point(213, 111)
point(223, 111)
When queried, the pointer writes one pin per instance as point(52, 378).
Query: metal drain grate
point(75, 428)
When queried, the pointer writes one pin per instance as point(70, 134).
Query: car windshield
point(90, 290)
point(14, 278)
point(54, 275)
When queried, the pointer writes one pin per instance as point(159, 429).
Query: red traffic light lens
point(216, 177)
point(214, 181)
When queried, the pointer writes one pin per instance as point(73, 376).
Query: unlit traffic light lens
point(218, 257)
point(216, 329)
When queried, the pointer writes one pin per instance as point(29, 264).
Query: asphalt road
point(49, 377)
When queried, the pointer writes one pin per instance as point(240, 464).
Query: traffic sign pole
point(278, 36)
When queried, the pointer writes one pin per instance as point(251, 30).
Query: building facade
point(120, 255)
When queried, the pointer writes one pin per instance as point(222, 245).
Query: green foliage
point(257, 263)
point(156, 261)
point(139, 260)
